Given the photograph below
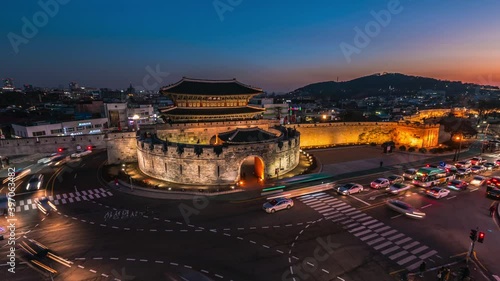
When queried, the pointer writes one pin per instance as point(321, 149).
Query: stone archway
point(252, 169)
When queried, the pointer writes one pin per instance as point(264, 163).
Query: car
point(478, 181)
point(47, 159)
point(45, 205)
point(458, 185)
point(490, 166)
point(277, 204)
point(438, 192)
point(398, 187)
point(450, 169)
point(463, 164)
point(59, 160)
point(380, 183)
point(350, 188)
point(497, 162)
point(462, 172)
point(477, 161)
point(395, 179)
point(477, 169)
point(405, 208)
point(35, 182)
point(410, 174)
point(493, 193)
point(493, 182)
point(18, 174)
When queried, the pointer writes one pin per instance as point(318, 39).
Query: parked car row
point(395, 184)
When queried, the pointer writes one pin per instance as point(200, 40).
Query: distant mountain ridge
point(382, 84)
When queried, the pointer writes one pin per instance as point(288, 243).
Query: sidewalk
point(168, 190)
point(457, 271)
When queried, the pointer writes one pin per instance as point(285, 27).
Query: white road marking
point(426, 206)
point(364, 202)
point(451, 197)
point(396, 216)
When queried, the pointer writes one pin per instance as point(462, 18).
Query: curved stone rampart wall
point(208, 167)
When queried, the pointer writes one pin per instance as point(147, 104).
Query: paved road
point(108, 235)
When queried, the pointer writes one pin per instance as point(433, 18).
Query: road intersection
point(110, 235)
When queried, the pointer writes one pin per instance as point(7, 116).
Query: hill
point(381, 84)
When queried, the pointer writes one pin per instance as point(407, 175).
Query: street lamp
point(457, 153)
point(136, 124)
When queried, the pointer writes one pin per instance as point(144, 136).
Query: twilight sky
point(275, 45)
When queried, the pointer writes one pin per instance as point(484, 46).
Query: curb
point(155, 193)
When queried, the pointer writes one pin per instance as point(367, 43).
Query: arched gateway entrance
point(252, 170)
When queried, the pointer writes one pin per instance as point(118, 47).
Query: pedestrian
point(76, 190)
point(381, 163)
point(440, 275)
point(116, 182)
point(7, 160)
point(492, 210)
point(422, 268)
point(447, 272)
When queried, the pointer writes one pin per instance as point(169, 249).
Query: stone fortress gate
point(213, 137)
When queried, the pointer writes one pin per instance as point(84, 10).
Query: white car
point(277, 204)
point(47, 159)
point(438, 192)
point(45, 205)
point(350, 188)
point(398, 187)
point(478, 180)
point(380, 183)
point(395, 179)
point(463, 172)
point(463, 164)
point(409, 174)
point(477, 169)
point(405, 208)
point(490, 166)
point(35, 182)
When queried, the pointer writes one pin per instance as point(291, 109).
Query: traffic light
point(481, 237)
point(473, 234)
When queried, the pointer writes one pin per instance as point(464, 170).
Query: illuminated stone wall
point(329, 134)
point(211, 168)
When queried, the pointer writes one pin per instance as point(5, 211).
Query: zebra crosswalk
point(65, 198)
point(387, 241)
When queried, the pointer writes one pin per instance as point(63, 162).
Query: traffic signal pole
point(473, 238)
point(471, 250)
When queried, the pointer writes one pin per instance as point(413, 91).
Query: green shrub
point(373, 144)
point(402, 148)
point(422, 150)
point(411, 149)
point(433, 150)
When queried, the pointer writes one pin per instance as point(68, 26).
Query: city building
point(116, 113)
point(67, 128)
point(129, 116)
point(8, 85)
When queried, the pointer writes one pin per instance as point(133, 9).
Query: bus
point(310, 180)
point(428, 177)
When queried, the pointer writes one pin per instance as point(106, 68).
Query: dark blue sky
point(276, 45)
